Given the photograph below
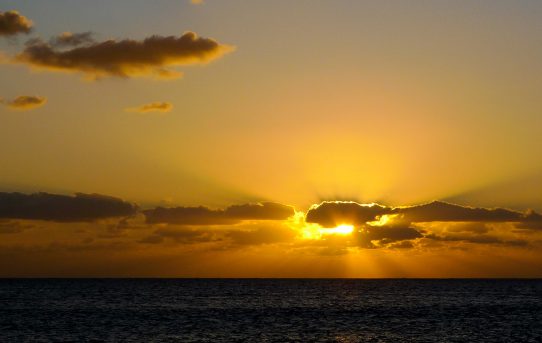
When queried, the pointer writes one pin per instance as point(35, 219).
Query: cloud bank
point(63, 208)
point(434, 225)
point(379, 226)
point(231, 215)
point(332, 213)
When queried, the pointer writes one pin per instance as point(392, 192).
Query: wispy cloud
point(25, 102)
point(152, 107)
point(68, 39)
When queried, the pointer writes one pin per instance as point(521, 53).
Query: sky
point(179, 138)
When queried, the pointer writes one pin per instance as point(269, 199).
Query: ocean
point(270, 310)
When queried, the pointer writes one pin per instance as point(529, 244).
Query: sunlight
point(343, 229)
point(312, 231)
point(383, 220)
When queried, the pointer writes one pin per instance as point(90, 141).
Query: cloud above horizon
point(378, 226)
point(332, 213)
point(231, 215)
point(25, 102)
point(63, 208)
point(12, 23)
point(429, 226)
point(154, 56)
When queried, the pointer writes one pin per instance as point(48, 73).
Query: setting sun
point(343, 229)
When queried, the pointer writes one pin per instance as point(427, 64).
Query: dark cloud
point(68, 39)
point(443, 212)
point(25, 102)
point(188, 216)
point(385, 235)
point(334, 213)
point(530, 225)
point(153, 56)
point(63, 208)
point(532, 221)
point(234, 237)
point(205, 216)
point(402, 245)
point(379, 226)
point(477, 239)
point(381, 235)
point(12, 23)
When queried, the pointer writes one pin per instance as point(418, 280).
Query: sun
point(343, 229)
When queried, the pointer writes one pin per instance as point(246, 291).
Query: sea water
point(270, 310)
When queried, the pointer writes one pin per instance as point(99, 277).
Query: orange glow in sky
point(271, 138)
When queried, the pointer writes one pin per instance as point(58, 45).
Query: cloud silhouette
point(12, 23)
point(334, 213)
point(389, 234)
point(231, 215)
point(152, 107)
point(25, 102)
point(477, 239)
point(232, 237)
point(443, 212)
point(68, 39)
point(63, 208)
point(153, 56)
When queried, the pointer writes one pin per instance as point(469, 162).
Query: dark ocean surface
point(260, 310)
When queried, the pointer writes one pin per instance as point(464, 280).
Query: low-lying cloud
point(12, 23)
point(63, 208)
point(236, 236)
point(154, 56)
point(206, 216)
point(427, 226)
point(330, 214)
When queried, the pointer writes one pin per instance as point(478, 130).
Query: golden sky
point(238, 138)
